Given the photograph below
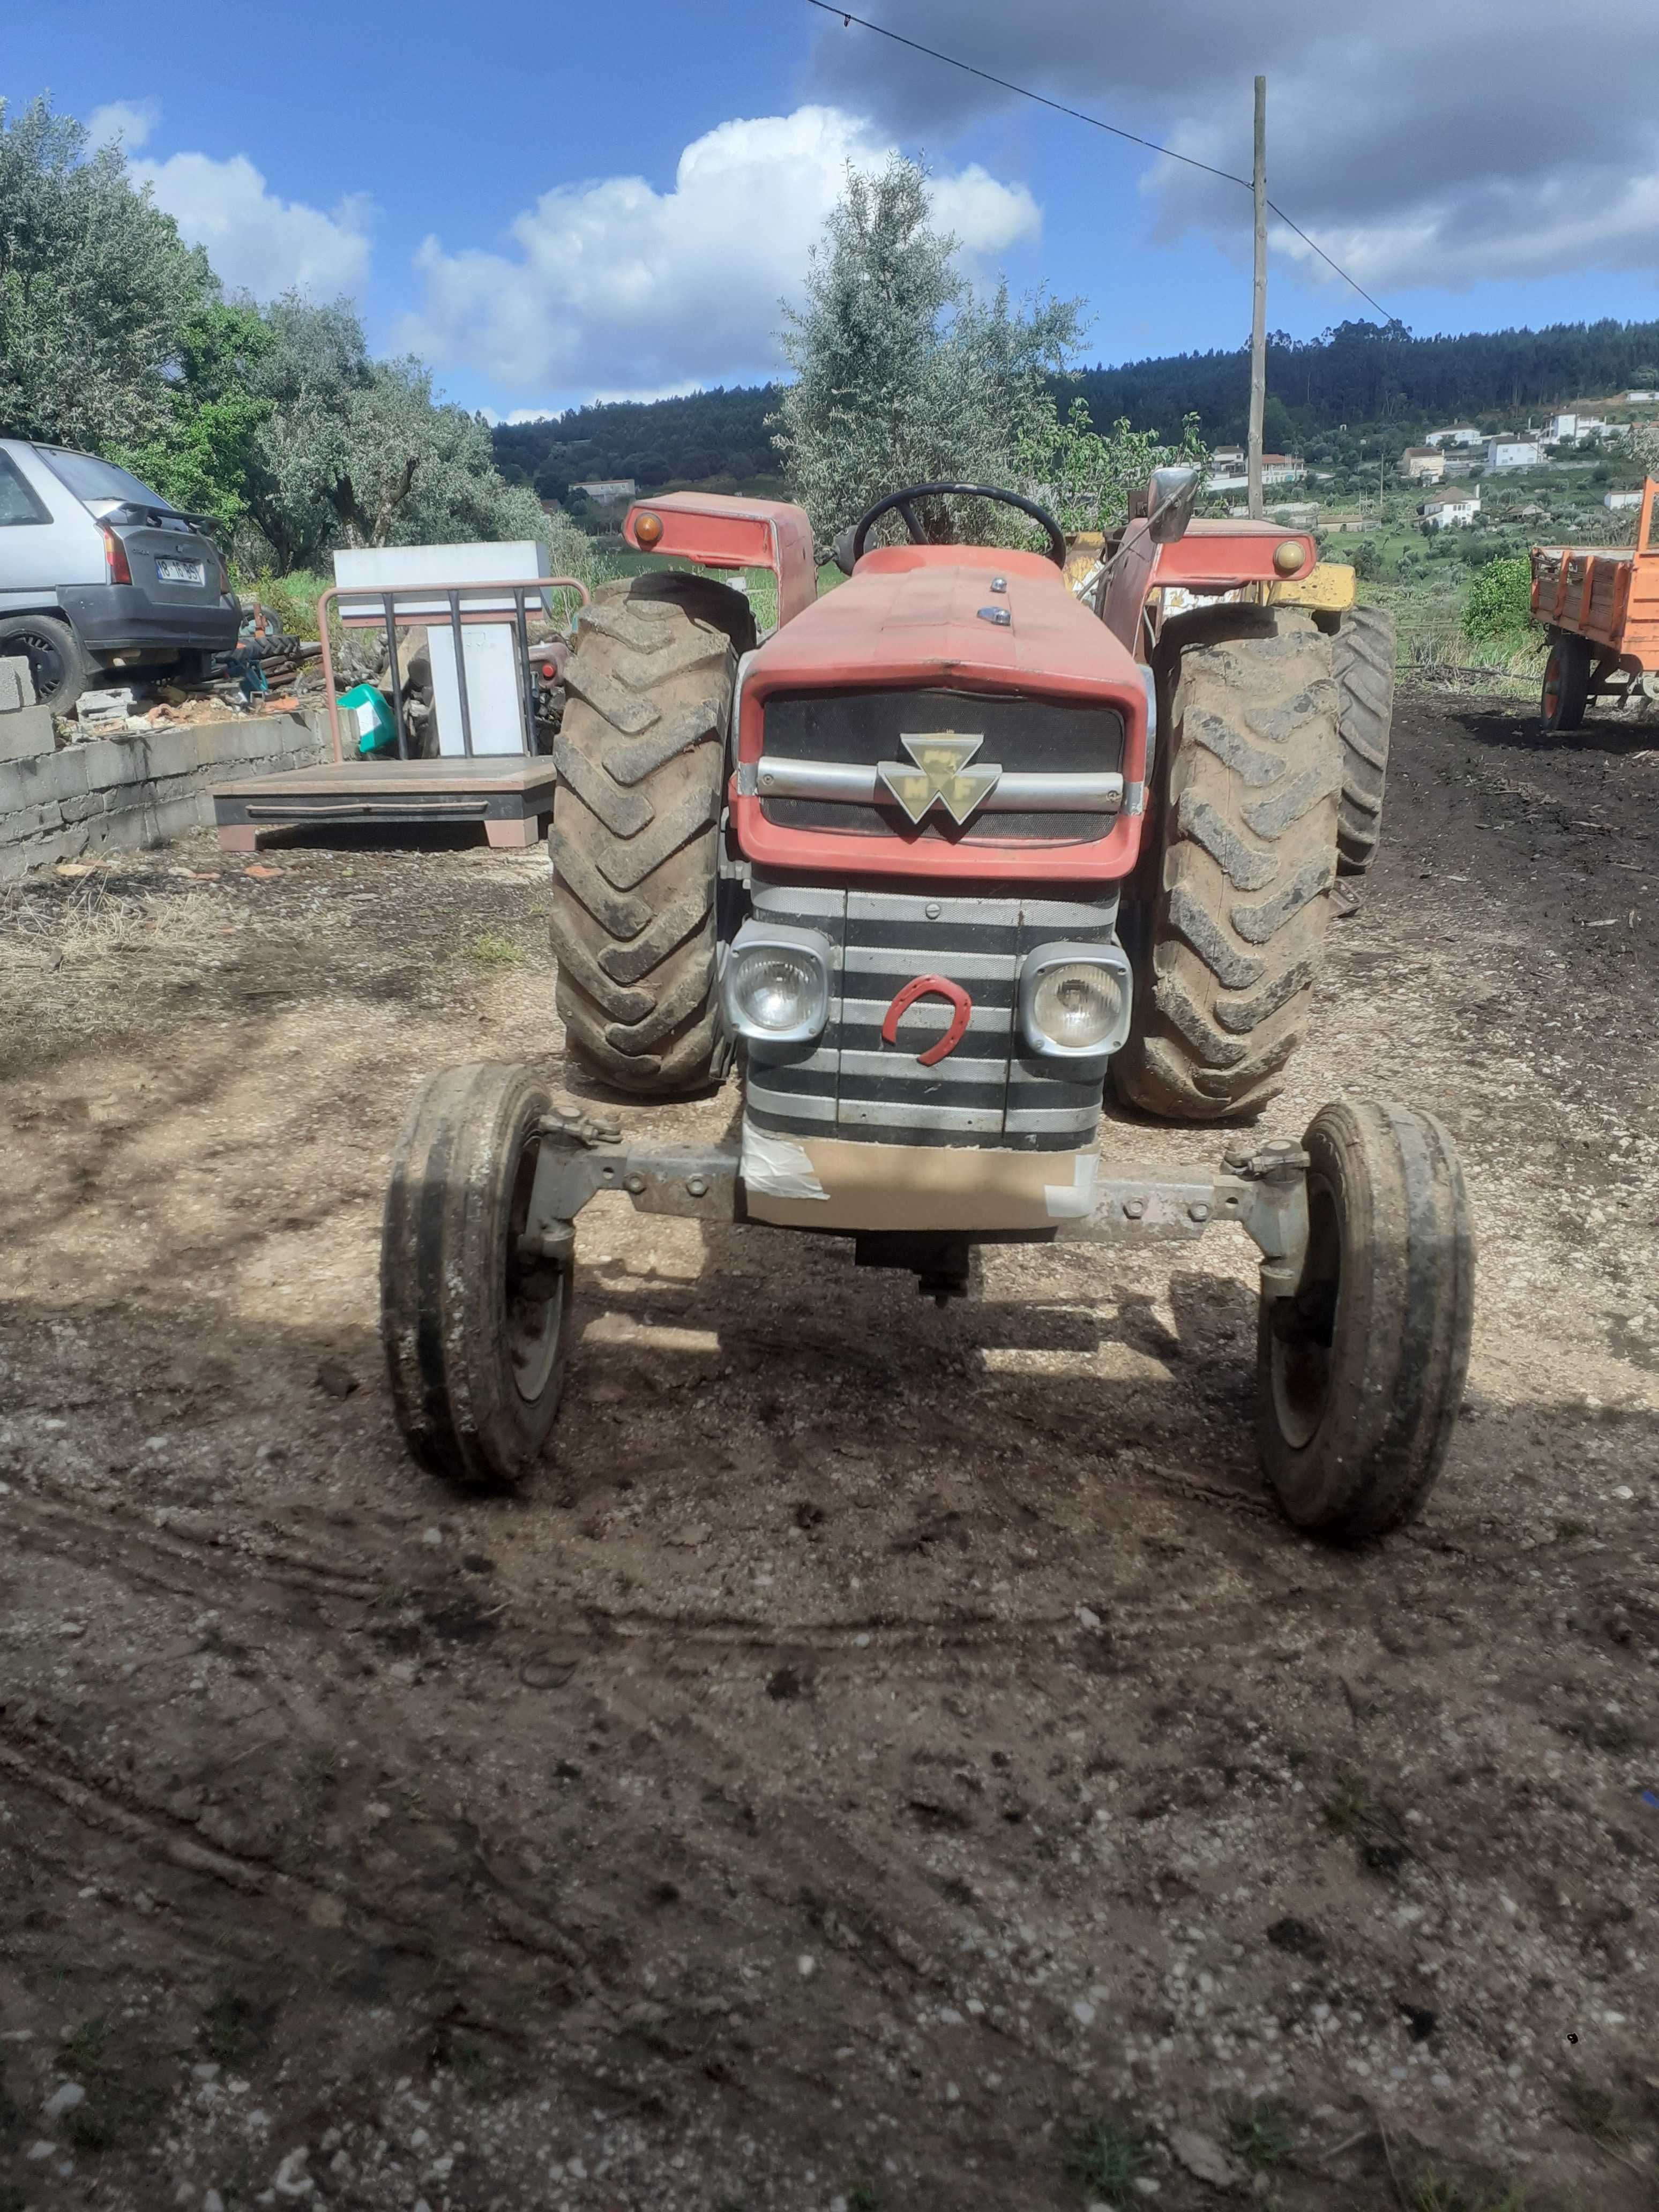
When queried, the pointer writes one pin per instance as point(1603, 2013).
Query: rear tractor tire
point(1361, 1373)
point(1363, 663)
point(640, 756)
point(477, 1329)
point(1231, 902)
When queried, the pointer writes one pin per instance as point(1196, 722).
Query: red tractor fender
point(1208, 557)
point(717, 531)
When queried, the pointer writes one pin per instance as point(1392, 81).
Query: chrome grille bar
point(1017, 792)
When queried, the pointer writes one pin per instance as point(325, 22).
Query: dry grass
point(69, 963)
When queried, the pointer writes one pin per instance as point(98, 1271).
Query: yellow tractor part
point(1327, 588)
point(1083, 550)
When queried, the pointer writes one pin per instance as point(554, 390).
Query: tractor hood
point(922, 614)
point(1002, 661)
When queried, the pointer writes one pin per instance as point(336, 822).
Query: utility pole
point(1259, 318)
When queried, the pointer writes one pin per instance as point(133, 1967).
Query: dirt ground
point(887, 1746)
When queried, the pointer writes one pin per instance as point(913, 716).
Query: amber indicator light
point(1287, 557)
point(648, 528)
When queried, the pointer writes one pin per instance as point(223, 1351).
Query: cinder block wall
point(136, 790)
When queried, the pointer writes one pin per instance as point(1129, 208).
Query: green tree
point(360, 452)
point(902, 376)
point(201, 457)
point(95, 285)
point(1498, 606)
point(1085, 478)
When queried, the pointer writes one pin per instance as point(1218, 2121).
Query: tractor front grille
point(989, 1090)
point(1027, 737)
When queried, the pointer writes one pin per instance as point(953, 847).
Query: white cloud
point(1434, 145)
point(615, 286)
point(131, 121)
point(255, 240)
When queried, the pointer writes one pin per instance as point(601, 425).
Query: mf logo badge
point(940, 776)
point(927, 987)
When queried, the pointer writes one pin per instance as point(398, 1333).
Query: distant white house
point(1460, 434)
point(1508, 452)
point(1424, 464)
point(608, 491)
point(1441, 510)
point(1636, 398)
point(1229, 473)
point(1572, 428)
point(1617, 499)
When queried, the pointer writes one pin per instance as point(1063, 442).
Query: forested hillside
point(1359, 372)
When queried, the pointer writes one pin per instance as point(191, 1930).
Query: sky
point(584, 201)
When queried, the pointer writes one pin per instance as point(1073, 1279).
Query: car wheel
point(57, 661)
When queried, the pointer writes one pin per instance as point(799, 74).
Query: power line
point(1024, 91)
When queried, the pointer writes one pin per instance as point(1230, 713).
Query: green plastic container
point(365, 715)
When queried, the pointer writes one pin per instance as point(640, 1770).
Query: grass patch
point(1106, 2159)
point(1592, 2111)
point(115, 2103)
point(11, 2119)
point(1432, 2192)
point(1260, 2134)
point(493, 948)
point(862, 2199)
point(1569, 1532)
point(233, 2031)
point(472, 2065)
point(89, 2127)
point(80, 2051)
point(1344, 1812)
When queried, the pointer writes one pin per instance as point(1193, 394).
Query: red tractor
point(949, 852)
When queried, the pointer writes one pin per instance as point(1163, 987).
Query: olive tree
point(361, 452)
point(95, 284)
point(904, 375)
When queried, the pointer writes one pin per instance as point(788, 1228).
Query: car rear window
point(88, 478)
point(17, 503)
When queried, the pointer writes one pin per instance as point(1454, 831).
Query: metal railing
point(459, 618)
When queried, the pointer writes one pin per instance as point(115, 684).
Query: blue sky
point(519, 203)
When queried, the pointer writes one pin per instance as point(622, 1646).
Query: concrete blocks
point(16, 684)
point(25, 732)
point(137, 788)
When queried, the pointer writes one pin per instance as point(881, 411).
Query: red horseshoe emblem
point(922, 986)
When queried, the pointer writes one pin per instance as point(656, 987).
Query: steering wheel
point(912, 521)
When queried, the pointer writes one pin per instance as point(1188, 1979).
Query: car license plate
point(180, 572)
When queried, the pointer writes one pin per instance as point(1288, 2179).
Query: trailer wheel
point(477, 1331)
point(640, 756)
point(1567, 684)
point(1361, 1373)
point(1363, 663)
point(1226, 924)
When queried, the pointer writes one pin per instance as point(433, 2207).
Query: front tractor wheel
point(641, 756)
point(476, 1326)
point(1566, 684)
point(1360, 1373)
point(1231, 904)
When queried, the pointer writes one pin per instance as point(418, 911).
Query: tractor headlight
point(1074, 1001)
point(775, 988)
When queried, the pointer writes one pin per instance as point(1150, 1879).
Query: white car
point(100, 575)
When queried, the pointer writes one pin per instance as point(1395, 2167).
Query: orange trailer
point(1601, 606)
